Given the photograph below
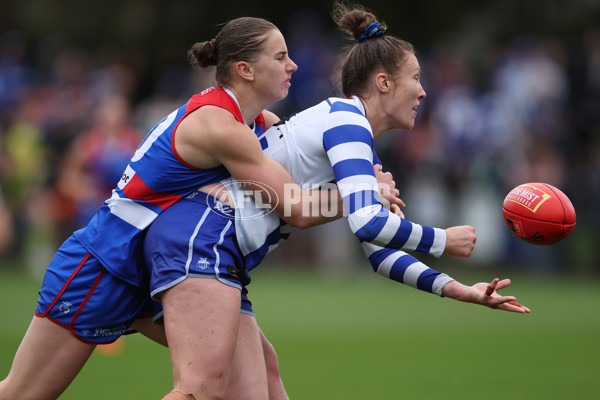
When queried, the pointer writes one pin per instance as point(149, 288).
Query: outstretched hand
point(485, 294)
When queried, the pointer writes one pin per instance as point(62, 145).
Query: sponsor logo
point(103, 332)
point(528, 196)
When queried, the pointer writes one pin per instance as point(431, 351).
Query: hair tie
point(371, 31)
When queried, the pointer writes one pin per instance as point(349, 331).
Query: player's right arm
point(223, 140)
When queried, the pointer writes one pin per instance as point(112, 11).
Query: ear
point(383, 82)
point(244, 70)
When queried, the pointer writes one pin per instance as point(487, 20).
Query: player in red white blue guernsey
point(96, 287)
point(331, 141)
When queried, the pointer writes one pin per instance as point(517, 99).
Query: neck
point(375, 115)
point(250, 106)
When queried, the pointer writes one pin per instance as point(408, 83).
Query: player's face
point(274, 68)
point(408, 94)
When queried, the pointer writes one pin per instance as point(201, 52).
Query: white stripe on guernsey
point(439, 282)
point(347, 118)
point(389, 230)
point(439, 242)
point(130, 211)
point(350, 150)
point(158, 130)
point(357, 183)
point(220, 242)
point(191, 241)
point(386, 265)
point(412, 273)
point(361, 217)
point(415, 237)
point(126, 177)
point(369, 248)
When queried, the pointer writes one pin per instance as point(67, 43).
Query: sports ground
point(365, 337)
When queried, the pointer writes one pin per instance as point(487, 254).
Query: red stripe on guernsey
point(260, 120)
point(136, 189)
point(214, 96)
point(43, 314)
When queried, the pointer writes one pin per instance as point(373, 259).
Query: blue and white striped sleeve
point(404, 268)
point(349, 144)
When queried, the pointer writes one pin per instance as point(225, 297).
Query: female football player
point(201, 250)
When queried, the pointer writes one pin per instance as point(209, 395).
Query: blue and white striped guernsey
point(333, 142)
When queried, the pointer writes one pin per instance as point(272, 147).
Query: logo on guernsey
point(203, 263)
point(253, 199)
point(65, 307)
point(528, 196)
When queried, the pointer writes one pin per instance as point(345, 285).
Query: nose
point(292, 67)
point(422, 93)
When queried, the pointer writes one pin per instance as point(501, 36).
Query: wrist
point(453, 290)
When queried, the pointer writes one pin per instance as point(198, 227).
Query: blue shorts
point(191, 239)
point(79, 294)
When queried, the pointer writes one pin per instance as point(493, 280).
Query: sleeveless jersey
point(155, 178)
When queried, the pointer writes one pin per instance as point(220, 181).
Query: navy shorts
point(79, 294)
point(191, 239)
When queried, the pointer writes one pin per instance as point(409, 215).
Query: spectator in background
point(94, 161)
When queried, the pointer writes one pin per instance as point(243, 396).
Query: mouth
point(415, 108)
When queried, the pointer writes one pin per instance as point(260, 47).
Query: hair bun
point(203, 54)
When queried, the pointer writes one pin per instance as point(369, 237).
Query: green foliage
point(371, 338)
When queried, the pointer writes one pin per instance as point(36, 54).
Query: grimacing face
point(274, 68)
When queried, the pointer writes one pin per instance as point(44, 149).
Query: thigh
point(201, 318)
point(48, 359)
point(79, 294)
point(190, 239)
point(249, 373)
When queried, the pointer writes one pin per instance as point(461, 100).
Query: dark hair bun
point(203, 54)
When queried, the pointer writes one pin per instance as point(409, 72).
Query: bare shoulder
point(270, 118)
point(199, 133)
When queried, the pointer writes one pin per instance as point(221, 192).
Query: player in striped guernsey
point(331, 141)
point(95, 288)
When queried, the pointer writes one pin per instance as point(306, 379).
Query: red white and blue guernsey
point(155, 178)
point(333, 142)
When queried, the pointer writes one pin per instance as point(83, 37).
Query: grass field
point(374, 339)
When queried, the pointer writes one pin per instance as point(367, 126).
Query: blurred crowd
point(525, 109)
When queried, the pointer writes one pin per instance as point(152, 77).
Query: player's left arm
point(404, 268)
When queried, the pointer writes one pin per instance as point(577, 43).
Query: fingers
point(513, 306)
point(506, 303)
point(377, 167)
point(396, 210)
point(497, 285)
